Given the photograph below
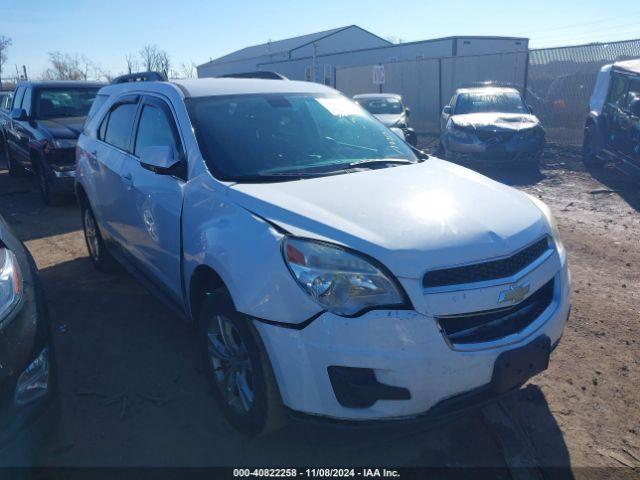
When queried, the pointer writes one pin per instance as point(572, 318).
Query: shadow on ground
point(625, 186)
point(22, 208)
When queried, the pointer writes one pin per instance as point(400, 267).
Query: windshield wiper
point(378, 161)
point(283, 176)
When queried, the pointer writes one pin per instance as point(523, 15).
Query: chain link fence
point(560, 82)
point(557, 82)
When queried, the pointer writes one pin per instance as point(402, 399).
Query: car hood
point(496, 121)
point(411, 218)
point(65, 127)
point(389, 119)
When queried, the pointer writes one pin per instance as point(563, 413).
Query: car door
point(111, 148)
point(12, 134)
point(24, 133)
point(154, 200)
point(613, 113)
point(630, 121)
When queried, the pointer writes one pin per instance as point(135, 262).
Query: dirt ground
point(133, 391)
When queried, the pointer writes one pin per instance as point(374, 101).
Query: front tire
point(15, 170)
point(591, 147)
point(238, 366)
point(100, 256)
point(48, 195)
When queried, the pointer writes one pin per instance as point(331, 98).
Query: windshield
point(247, 136)
point(503, 102)
point(382, 106)
point(64, 102)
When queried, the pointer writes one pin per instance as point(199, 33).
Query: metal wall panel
point(427, 85)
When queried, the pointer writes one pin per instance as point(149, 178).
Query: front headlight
point(534, 132)
point(10, 283)
point(342, 282)
point(553, 225)
point(459, 134)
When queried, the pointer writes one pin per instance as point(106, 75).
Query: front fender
point(243, 250)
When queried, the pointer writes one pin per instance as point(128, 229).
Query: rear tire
point(591, 147)
point(15, 170)
point(238, 366)
point(98, 252)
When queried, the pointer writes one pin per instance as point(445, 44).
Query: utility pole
point(315, 62)
point(24, 69)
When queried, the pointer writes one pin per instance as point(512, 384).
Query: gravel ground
point(133, 390)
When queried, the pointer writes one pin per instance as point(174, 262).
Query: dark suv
point(612, 129)
point(41, 133)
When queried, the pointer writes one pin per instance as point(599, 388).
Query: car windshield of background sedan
point(503, 102)
point(381, 106)
point(257, 137)
point(67, 102)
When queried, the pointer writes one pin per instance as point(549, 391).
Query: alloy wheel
point(232, 370)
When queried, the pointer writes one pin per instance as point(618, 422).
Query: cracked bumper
point(405, 349)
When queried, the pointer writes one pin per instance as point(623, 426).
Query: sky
point(197, 30)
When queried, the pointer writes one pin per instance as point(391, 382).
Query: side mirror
point(634, 107)
point(407, 111)
point(160, 160)
point(530, 108)
point(18, 114)
point(447, 110)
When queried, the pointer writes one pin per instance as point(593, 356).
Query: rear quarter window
point(118, 125)
point(95, 106)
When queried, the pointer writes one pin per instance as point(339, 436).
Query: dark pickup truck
point(45, 121)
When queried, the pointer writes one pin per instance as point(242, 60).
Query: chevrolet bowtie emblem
point(514, 294)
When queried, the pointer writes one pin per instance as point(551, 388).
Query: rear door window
point(95, 106)
point(119, 124)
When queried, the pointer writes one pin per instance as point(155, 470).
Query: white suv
point(329, 267)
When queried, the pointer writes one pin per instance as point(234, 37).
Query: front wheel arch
point(204, 280)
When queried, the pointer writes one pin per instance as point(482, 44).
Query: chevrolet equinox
point(329, 268)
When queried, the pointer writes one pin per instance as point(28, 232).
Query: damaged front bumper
point(398, 365)
point(493, 148)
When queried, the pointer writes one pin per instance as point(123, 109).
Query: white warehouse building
point(314, 57)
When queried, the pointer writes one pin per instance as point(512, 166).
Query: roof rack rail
point(265, 75)
point(140, 77)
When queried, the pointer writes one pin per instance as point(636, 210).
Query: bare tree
point(65, 66)
point(188, 70)
point(132, 63)
point(163, 62)
point(155, 59)
point(5, 43)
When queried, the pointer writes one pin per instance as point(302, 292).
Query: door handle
point(127, 179)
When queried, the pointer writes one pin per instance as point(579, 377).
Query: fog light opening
point(33, 383)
